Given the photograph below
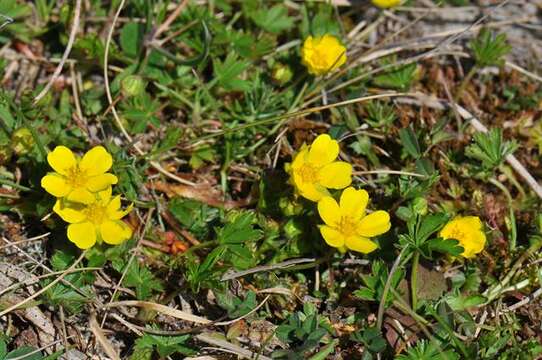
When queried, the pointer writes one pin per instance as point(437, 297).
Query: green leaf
point(131, 38)
point(425, 350)
point(144, 282)
point(461, 302)
point(163, 345)
point(489, 49)
point(409, 140)
point(22, 351)
point(227, 73)
point(3, 349)
point(239, 230)
point(428, 226)
point(371, 338)
point(273, 20)
point(323, 354)
point(375, 282)
point(399, 78)
point(444, 246)
point(490, 148)
point(234, 305)
point(195, 216)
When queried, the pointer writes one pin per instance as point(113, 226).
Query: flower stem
point(512, 217)
point(414, 280)
point(382, 305)
point(465, 81)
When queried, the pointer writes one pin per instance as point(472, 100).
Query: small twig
point(58, 70)
point(35, 238)
point(525, 300)
point(167, 23)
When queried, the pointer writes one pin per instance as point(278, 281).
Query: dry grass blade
point(101, 339)
point(229, 347)
point(41, 291)
point(161, 309)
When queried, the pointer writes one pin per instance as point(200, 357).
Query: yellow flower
point(314, 169)
point(347, 226)
point(322, 54)
point(96, 221)
point(468, 230)
point(77, 179)
point(386, 4)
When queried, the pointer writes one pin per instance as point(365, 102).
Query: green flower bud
point(133, 85)
point(282, 73)
point(22, 141)
point(419, 205)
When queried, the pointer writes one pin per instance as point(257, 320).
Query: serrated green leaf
point(273, 20)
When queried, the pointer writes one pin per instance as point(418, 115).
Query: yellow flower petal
point(61, 159)
point(300, 158)
point(336, 175)
point(353, 202)
point(55, 185)
point(96, 161)
point(323, 150)
point(374, 224)
point(82, 196)
point(311, 191)
point(472, 222)
point(113, 206)
point(332, 237)
point(468, 230)
point(115, 232)
point(104, 196)
point(386, 4)
point(322, 54)
point(113, 209)
point(329, 211)
point(360, 244)
point(69, 214)
point(101, 182)
point(83, 234)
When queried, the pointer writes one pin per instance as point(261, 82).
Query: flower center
point(348, 226)
point(96, 213)
point(76, 177)
point(320, 60)
point(308, 173)
point(457, 234)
